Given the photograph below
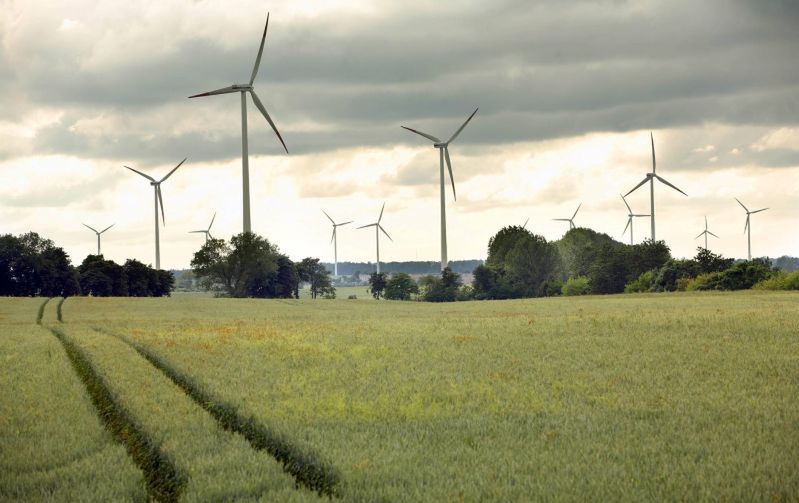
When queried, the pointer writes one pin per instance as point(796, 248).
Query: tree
point(444, 289)
point(400, 287)
point(377, 283)
point(247, 267)
point(311, 271)
point(531, 265)
point(287, 281)
point(102, 278)
point(610, 270)
point(141, 278)
point(710, 262)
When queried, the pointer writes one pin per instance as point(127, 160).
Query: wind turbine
point(650, 177)
point(244, 89)
point(443, 154)
point(748, 226)
point(706, 232)
point(525, 223)
point(570, 220)
point(630, 217)
point(98, 234)
point(334, 240)
point(207, 231)
point(377, 227)
point(159, 200)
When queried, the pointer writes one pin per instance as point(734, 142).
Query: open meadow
point(687, 396)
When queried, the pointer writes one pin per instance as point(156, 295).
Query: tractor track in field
point(40, 314)
point(164, 482)
point(306, 469)
point(58, 311)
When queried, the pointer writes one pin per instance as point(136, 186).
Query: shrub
point(709, 281)
point(642, 283)
point(400, 287)
point(780, 281)
point(576, 286)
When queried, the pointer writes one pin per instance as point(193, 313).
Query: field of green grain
point(650, 397)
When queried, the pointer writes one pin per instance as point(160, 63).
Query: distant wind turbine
point(98, 234)
point(706, 232)
point(334, 240)
point(244, 89)
point(207, 231)
point(525, 223)
point(570, 220)
point(650, 177)
point(630, 217)
point(159, 200)
point(377, 227)
point(443, 154)
point(748, 226)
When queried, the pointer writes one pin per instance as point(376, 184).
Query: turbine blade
point(575, 211)
point(713, 234)
point(142, 174)
point(428, 136)
point(634, 188)
point(625, 204)
point(563, 219)
point(212, 221)
point(652, 139)
point(333, 236)
point(647, 215)
point(224, 90)
point(525, 224)
point(260, 51)
point(328, 217)
point(365, 226)
point(663, 180)
point(173, 170)
point(192, 232)
point(742, 205)
point(449, 167)
point(746, 225)
point(758, 211)
point(629, 221)
point(268, 119)
point(90, 227)
point(345, 223)
point(700, 235)
point(381, 214)
point(161, 202)
point(461, 128)
point(107, 228)
point(384, 232)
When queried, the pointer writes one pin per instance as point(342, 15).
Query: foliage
point(400, 287)
point(444, 289)
point(667, 276)
point(250, 266)
point(779, 281)
point(311, 271)
point(579, 285)
point(377, 283)
point(786, 263)
point(578, 250)
point(741, 276)
point(32, 265)
point(102, 278)
point(708, 261)
point(643, 283)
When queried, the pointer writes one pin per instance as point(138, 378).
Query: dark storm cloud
point(538, 71)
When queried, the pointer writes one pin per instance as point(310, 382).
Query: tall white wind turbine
point(243, 89)
point(570, 220)
point(98, 234)
point(159, 200)
point(748, 227)
point(334, 240)
point(443, 154)
point(378, 228)
point(207, 231)
point(650, 177)
point(630, 217)
point(706, 232)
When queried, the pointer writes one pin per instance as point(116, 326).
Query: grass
point(636, 397)
point(53, 447)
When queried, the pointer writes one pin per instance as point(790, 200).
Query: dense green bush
point(400, 287)
point(576, 286)
point(444, 289)
point(741, 276)
point(642, 283)
point(779, 281)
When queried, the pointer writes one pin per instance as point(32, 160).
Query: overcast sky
point(568, 94)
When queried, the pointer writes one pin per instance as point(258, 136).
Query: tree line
point(31, 265)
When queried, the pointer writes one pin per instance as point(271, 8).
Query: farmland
point(637, 397)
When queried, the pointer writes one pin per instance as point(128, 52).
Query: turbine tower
point(748, 226)
point(159, 200)
point(443, 154)
point(98, 234)
point(334, 240)
point(377, 227)
point(207, 231)
point(706, 232)
point(630, 217)
point(243, 89)
point(570, 220)
point(650, 177)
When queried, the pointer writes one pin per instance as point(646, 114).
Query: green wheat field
point(689, 397)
